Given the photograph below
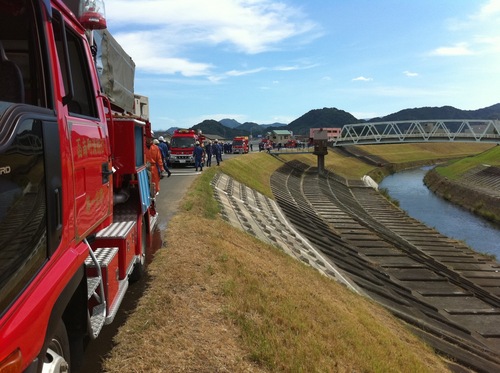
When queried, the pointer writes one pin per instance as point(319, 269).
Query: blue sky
point(269, 61)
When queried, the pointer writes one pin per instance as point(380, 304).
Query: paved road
point(172, 193)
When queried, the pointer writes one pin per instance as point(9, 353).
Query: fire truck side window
point(83, 102)
point(23, 238)
point(21, 54)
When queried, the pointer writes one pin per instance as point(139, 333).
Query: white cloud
point(489, 43)
point(459, 49)
point(410, 74)
point(362, 79)
point(173, 65)
point(159, 32)
point(480, 32)
point(244, 72)
point(295, 67)
point(488, 10)
point(143, 48)
point(236, 73)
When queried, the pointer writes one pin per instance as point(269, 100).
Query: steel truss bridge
point(458, 130)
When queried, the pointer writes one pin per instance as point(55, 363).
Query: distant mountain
point(231, 123)
point(249, 126)
point(213, 127)
point(318, 118)
point(253, 128)
point(333, 117)
point(275, 124)
point(170, 130)
point(443, 112)
point(490, 112)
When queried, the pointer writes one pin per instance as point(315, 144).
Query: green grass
point(203, 196)
point(253, 170)
point(221, 300)
point(406, 153)
point(459, 167)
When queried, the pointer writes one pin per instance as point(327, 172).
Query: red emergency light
point(184, 131)
point(92, 14)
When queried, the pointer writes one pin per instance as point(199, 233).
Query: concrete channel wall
point(478, 190)
point(345, 229)
point(252, 212)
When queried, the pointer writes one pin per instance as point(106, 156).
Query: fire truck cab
point(240, 145)
point(76, 212)
point(182, 145)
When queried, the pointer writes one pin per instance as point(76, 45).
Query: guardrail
point(308, 149)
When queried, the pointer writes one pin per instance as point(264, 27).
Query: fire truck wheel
point(138, 270)
point(57, 357)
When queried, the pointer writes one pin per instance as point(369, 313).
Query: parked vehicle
point(76, 211)
point(182, 146)
point(240, 145)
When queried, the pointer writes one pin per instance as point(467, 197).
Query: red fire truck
point(182, 146)
point(76, 212)
point(240, 145)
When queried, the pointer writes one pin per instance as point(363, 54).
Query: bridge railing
point(461, 130)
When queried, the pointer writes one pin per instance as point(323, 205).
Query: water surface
point(453, 221)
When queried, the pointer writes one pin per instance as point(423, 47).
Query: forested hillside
point(333, 117)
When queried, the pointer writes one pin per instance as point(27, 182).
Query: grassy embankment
point(220, 300)
point(455, 169)
point(445, 181)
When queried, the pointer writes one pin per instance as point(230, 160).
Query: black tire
point(57, 357)
point(139, 266)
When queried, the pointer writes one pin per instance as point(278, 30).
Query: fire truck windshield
point(182, 142)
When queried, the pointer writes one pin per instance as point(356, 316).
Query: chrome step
point(97, 319)
point(92, 285)
point(116, 230)
point(97, 259)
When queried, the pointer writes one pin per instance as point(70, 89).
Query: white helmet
point(161, 138)
point(197, 143)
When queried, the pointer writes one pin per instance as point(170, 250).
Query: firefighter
point(162, 144)
point(217, 151)
point(198, 154)
point(155, 162)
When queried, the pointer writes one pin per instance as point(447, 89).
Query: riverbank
point(220, 300)
point(474, 187)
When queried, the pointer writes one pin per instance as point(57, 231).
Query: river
point(453, 221)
